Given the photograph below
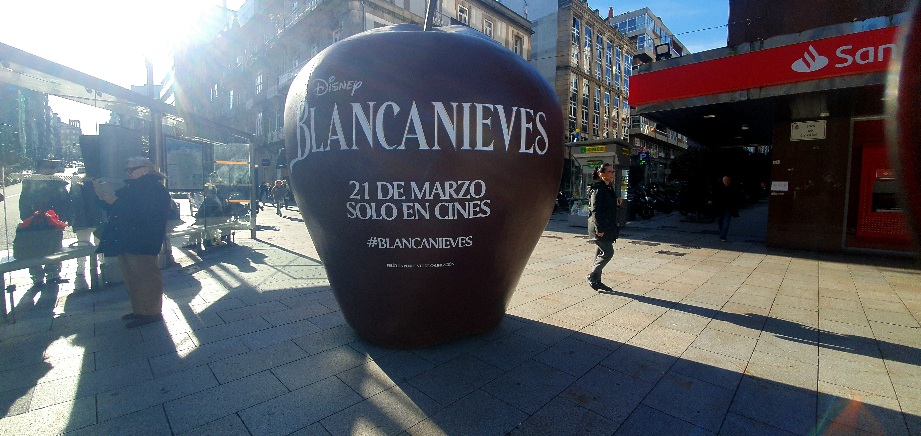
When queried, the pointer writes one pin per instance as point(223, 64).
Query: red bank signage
point(855, 53)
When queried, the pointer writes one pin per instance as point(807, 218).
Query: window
point(606, 114)
point(576, 28)
point(259, 84)
point(230, 106)
point(463, 14)
point(518, 46)
point(259, 123)
point(617, 68)
point(487, 27)
point(585, 97)
point(587, 52)
point(596, 113)
point(214, 90)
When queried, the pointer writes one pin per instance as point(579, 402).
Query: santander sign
point(813, 61)
point(844, 55)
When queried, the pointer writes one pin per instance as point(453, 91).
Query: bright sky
point(110, 38)
point(680, 16)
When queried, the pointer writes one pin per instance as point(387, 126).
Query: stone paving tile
point(388, 412)
point(455, 379)
point(867, 412)
point(89, 383)
point(181, 360)
point(727, 344)
point(245, 364)
point(56, 419)
point(740, 425)
point(572, 356)
point(662, 339)
point(776, 404)
point(529, 386)
point(509, 351)
point(228, 425)
point(316, 367)
point(477, 413)
point(780, 369)
point(251, 311)
point(612, 394)
point(865, 375)
point(299, 408)
point(690, 400)
point(717, 369)
point(148, 421)
point(381, 374)
point(139, 396)
point(211, 404)
point(561, 416)
point(649, 421)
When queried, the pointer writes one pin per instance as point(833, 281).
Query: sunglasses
point(130, 170)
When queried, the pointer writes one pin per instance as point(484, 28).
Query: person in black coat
point(135, 232)
point(41, 193)
point(603, 228)
point(725, 203)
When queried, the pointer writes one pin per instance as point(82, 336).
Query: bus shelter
point(209, 168)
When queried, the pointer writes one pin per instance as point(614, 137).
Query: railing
point(288, 76)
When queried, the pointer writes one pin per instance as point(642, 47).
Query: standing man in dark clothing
point(40, 193)
point(603, 228)
point(725, 204)
point(135, 232)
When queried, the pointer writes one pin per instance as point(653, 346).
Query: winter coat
point(137, 219)
point(725, 199)
point(44, 195)
point(602, 209)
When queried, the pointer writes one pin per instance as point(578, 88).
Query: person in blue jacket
point(135, 231)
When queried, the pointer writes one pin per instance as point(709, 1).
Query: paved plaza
point(698, 337)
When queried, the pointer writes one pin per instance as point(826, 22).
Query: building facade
point(69, 139)
point(241, 77)
point(810, 81)
point(28, 128)
point(652, 144)
point(588, 62)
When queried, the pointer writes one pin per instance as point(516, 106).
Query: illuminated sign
point(594, 149)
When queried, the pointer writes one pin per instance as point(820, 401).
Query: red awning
point(844, 55)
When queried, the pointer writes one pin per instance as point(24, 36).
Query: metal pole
point(430, 15)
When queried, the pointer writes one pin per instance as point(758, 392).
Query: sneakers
point(594, 284)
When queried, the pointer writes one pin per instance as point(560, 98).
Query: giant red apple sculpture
point(425, 165)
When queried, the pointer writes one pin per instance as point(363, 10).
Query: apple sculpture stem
point(430, 15)
point(425, 177)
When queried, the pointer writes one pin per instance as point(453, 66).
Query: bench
point(72, 250)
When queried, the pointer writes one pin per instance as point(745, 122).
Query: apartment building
point(652, 144)
point(588, 62)
point(241, 77)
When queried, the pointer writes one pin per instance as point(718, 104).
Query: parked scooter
point(640, 203)
point(661, 201)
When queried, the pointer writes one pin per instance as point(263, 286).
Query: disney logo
point(333, 85)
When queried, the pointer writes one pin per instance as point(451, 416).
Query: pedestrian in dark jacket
point(725, 204)
point(135, 232)
point(41, 193)
point(86, 215)
point(603, 228)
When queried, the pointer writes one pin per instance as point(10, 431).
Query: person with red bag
point(44, 207)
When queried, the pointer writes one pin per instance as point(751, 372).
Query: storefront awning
point(731, 96)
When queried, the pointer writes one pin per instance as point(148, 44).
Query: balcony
point(285, 78)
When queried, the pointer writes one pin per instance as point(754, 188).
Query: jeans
point(603, 254)
point(722, 220)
